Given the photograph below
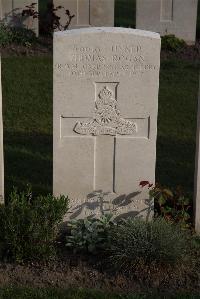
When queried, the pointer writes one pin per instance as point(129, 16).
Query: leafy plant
point(136, 242)
point(172, 43)
point(89, 235)
point(6, 36)
point(28, 225)
point(23, 36)
point(172, 205)
point(16, 35)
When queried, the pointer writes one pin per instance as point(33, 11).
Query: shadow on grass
point(28, 160)
point(175, 162)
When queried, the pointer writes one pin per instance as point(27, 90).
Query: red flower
point(144, 183)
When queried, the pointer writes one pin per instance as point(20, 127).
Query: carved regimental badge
point(107, 119)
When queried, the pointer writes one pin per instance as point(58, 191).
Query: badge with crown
point(107, 119)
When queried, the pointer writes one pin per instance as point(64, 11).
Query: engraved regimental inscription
point(107, 119)
point(114, 61)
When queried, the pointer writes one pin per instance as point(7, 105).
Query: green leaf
point(161, 200)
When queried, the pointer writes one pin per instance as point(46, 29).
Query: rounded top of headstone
point(115, 30)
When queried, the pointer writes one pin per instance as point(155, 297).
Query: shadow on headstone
point(21, 18)
point(97, 200)
point(14, 18)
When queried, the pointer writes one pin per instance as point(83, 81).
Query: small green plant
point(137, 242)
point(22, 36)
point(173, 205)
point(172, 43)
point(28, 225)
point(16, 35)
point(5, 35)
point(89, 235)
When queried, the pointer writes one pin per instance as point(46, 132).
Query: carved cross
point(105, 126)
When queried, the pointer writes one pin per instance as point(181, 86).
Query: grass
point(27, 109)
point(59, 294)
point(177, 123)
point(23, 293)
point(125, 12)
point(43, 5)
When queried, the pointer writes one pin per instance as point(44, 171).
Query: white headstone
point(197, 173)
point(1, 146)
point(11, 14)
point(105, 118)
point(87, 12)
point(176, 17)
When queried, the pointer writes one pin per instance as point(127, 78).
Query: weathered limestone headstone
point(11, 13)
point(87, 12)
point(105, 119)
point(176, 17)
point(1, 146)
point(197, 173)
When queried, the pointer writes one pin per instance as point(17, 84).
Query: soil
point(43, 47)
point(77, 271)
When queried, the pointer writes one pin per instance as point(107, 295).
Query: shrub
point(28, 225)
point(5, 35)
point(21, 36)
point(135, 242)
point(89, 235)
point(173, 205)
point(172, 43)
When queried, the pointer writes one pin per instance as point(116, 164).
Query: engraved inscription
point(114, 61)
point(107, 119)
